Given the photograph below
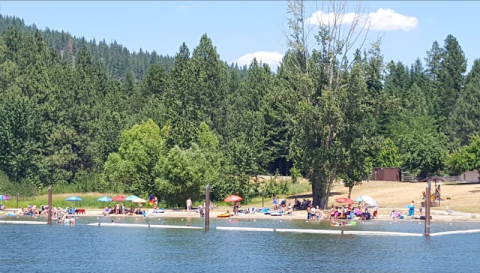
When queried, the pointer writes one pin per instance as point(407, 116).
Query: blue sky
point(242, 29)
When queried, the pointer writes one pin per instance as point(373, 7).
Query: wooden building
point(386, 174)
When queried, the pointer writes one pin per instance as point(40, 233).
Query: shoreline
point(437, 216)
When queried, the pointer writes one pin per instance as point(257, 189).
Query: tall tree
point(330, 98)
point(450, 79)
point(464, 120)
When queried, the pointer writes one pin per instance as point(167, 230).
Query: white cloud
point(387, 19)
point(322, 18)
point(381, 20)
point(272, 58)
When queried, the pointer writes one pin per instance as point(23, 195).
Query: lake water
point(82, 248)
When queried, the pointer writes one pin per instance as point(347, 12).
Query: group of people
point(122, 209)
point(303, 205)
point(66, 220)
point(343, 212)
point(313, 213)
point(201, 208)
point(32, 210)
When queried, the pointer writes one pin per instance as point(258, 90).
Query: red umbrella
point(233, 198)
point(345, 200)
point(119, 198)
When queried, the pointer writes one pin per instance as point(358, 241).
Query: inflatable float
point(154, 211)
point(224, 215)
point(275, 214)
point(346, 224)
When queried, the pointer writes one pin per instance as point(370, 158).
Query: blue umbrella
point(131, 197)
point(104, 199)
point(73, 198)
point(359, 199)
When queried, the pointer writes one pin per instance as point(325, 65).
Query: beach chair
point(448, 211)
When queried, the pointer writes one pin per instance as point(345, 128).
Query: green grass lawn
point(89, 200)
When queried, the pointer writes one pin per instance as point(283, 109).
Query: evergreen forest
point(90, 116)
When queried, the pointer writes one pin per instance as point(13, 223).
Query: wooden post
point(427, 209)
point(50, 205)
point(18, 195)
point(207, 207)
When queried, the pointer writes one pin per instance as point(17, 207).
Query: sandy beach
point(437, 215)
point(463, 199)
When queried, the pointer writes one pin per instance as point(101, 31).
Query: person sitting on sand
point(106, 211)
point(289, 211)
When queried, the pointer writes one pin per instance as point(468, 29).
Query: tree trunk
point(350, 191)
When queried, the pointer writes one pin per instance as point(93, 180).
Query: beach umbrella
point(73, 198)
point(345, 200)
point(131, 197)
point(104, 199)
point(369, 200)
point(119, 198)
point(359, 199)
point(233, 198)
point(4, 197)
point(138, 200)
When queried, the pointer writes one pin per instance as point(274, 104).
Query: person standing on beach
point(236, 204)
point(275, 203)
point(309, 212)
point(189, 205)
point(318, 214)
point(412, 209)
point(201, 212)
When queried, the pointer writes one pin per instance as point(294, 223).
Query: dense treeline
point(199, 120)
point(118, 60)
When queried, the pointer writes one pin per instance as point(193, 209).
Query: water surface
point(82, 248)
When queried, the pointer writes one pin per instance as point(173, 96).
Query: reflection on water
point(83, 248)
